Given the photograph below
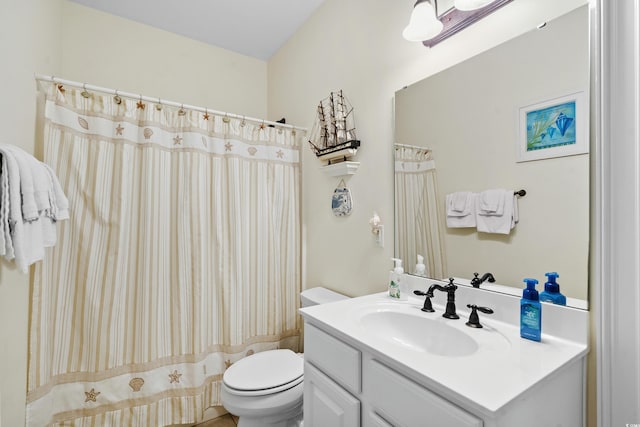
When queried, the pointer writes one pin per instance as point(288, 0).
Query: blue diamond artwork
point(552, 126)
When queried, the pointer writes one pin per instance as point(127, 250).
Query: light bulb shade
point(423, 24)
point(470, 4)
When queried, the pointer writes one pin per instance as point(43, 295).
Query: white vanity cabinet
point(349, 384)
point(342, 382)
point(381, 373)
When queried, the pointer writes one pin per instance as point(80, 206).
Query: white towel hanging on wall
point(31, 202)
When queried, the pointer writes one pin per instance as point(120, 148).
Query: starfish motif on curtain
point(119, 129)
point(61, 88)
point(174, 376)
point(228, 146)
point(140, 105)
point(91, 395)
point(205, 116)
point(177, 140)
point(280, 154)
point(228, 363)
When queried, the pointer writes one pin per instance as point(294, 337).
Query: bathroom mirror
point(464, 122)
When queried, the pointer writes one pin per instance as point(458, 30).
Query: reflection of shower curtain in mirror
point(418, 224)
point(181, 256)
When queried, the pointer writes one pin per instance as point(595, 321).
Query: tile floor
point(223, 421)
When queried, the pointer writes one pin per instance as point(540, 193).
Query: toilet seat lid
point(265, 370)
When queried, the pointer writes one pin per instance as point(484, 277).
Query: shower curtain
point(419, 225)
point(181, 256)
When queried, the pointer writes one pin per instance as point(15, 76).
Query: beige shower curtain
point(181, 256)
point(419, 226)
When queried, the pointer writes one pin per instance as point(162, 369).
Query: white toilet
point(265, 389)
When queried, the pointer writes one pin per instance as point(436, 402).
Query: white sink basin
point(420, 333)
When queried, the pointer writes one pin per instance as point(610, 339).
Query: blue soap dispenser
point(551, 291)
point(530, 312)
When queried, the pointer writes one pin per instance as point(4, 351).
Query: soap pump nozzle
point(552, 285)
point(420, 267)
point(530, 291)
point(398, 266)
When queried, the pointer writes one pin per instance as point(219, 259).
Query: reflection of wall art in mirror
point(341, 202)
point(554, 128)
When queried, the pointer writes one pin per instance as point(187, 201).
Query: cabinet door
point(326, 403)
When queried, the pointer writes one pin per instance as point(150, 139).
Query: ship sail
point(333, 136)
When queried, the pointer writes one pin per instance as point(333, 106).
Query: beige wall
point(29, 43)
point(110, 51)
point(468, 116)
point(357, 46)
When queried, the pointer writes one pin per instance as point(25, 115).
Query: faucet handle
point(427, 301)
point(474, 320)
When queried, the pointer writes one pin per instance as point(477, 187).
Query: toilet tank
point(319, 295)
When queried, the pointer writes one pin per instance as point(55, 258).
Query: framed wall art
point(554, 128)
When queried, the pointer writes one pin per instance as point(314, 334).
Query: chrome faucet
point(475, 282)
point(450, 289)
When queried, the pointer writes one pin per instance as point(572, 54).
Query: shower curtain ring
point(84, 92)
point(117, 98)
point(159, 105)
point(181, 111)
point(226, 118)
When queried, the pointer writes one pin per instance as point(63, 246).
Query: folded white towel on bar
point(460, 203)
point(501, 224)
point(491, 202)
point(460, 209)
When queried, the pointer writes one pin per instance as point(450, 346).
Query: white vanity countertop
point(504, 367)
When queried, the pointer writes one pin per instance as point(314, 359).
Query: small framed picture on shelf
point(554, 128)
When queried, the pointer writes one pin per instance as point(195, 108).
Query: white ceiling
point(256, 28)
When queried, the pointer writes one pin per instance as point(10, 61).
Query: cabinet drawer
point(371, 419)
point(336, 359)
point(404, 403)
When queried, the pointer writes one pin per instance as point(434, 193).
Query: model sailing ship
point(333, 136)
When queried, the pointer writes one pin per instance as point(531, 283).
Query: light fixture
point(470, 4)
point(423, 24)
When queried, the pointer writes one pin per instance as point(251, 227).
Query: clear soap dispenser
point(396, 290)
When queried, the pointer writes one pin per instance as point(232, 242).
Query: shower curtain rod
point(89, 87)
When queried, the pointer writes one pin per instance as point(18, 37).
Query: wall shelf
point(341, 169)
